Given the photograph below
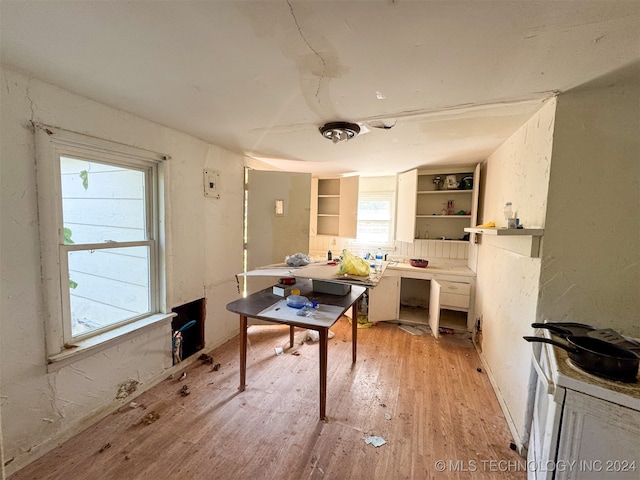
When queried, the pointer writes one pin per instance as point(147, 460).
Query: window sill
point(93, 345)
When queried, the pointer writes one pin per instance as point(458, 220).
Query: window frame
point(377, 195)
point(51, 144)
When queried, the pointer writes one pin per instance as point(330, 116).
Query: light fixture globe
point(339, 131)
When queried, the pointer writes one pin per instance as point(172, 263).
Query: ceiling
point(453, 80)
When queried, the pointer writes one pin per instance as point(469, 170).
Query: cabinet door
point(384, 299)
point(313, 217)
point(472, 260)
point(601, 437)
point(349, 207)
point(434, 308)
point(406, 209)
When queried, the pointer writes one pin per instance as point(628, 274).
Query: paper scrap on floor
point(375, 441)
point(410, 329)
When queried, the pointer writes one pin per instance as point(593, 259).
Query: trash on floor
point(296, 353)
point(363, 321)
point(311, 336)
point(184, 391)
point(127, 388)
point(278, 350)
point(445, 330)
point(216, 367)
point(410, 329)
point(375, 441)
point(387, 416)
point(104, 447)
point(206, 358)
point(149, 418)
point(183, 376)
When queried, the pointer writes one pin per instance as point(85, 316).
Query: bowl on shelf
point(418, 262)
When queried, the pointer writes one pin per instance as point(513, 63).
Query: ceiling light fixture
point(339, 131)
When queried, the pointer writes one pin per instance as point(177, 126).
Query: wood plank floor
point(425, 397)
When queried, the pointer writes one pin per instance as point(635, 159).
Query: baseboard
point(519, 442)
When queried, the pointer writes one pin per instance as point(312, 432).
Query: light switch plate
point(211, 184)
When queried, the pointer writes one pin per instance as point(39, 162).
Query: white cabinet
point(418, 296)
point(427, 209)
point(455, 295)
point(384, 299)
point(334, 206)
point(602, 438)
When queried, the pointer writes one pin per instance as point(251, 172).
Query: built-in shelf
point(441, 192)
point(442, 216)
point(534, 232)
point(523, 241)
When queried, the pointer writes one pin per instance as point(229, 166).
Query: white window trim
point(52, 142)
point(390, 242)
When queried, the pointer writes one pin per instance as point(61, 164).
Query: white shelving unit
point(421, 202)
point(334, 206)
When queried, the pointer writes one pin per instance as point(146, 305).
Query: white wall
point(39, 409)
point(591, 258)
point(507, 283)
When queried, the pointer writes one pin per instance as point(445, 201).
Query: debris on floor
point(104, 447)
point(127, 388)
point(363, 321)
point(296, 353)
point(387, 416)
point(216, 367)
point(311, 336)
point(410, 329)
point(445, 331)
point(375, 441)
point(149, 418)
point(278, 350)
point(184, 391)
point(183, 376)
point(204, 358)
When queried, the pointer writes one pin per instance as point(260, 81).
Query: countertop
point(459, 269)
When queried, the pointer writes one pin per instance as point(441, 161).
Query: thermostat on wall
point(211, 184)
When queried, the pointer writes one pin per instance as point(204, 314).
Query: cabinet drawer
point(455, 287)
point(453, 300)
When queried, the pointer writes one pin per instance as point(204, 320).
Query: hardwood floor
point(425, 397)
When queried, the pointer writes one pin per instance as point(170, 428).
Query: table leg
point(291, 327)
point(323, 372)
point(243, 352)
point(354, 330)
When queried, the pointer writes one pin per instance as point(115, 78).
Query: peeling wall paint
point(40, 409)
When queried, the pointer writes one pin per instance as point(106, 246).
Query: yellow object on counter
point(487, 225)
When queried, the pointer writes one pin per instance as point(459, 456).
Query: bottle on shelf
point(378, 260)
point(329, 255)
point(509, 215)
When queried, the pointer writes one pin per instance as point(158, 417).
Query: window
point(98, 205)
point(376, 207)
point(375, 215)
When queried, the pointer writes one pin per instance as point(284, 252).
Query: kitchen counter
point(457, 269)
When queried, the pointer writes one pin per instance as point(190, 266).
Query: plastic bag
point(353, 265)
point(297, 260)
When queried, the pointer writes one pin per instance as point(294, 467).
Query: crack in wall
point(316, 53)
point(31, 102)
